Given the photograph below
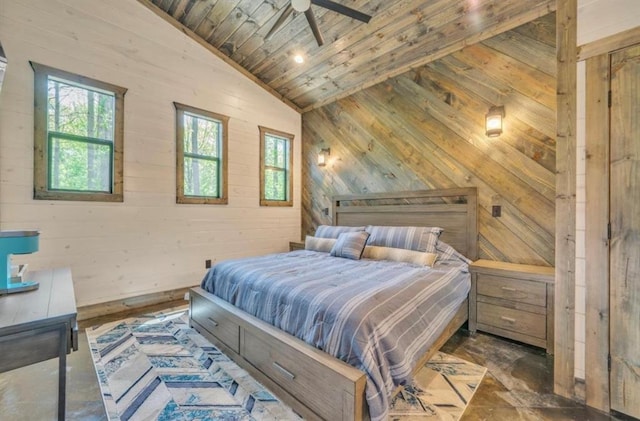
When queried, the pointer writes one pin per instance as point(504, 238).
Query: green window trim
point(219, 159)
point(80, 139)
point(44, 138)
point(286, 168)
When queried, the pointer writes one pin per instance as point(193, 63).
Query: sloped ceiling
point(401, 35)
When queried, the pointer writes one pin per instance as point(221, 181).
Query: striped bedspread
point(378, 316)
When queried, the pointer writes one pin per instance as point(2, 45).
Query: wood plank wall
point(425, 129)
point(148, 244)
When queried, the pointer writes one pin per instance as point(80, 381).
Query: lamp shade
point(323, 157)
point(493, 121)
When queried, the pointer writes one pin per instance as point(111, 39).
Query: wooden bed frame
point(315, 384)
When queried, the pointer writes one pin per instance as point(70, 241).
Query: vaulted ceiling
point(401, 35)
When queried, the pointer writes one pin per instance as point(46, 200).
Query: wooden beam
point(609, 44)
point(566, 41)
point(188, 32)
point(504, 26)
point(596, 236)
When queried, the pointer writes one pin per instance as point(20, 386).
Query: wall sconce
point(493, 121)
point(323, 157)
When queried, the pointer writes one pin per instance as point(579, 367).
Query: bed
point(314, 383)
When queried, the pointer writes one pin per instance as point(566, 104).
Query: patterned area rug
point(155, 367)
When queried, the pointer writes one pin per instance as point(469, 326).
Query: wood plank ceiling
point(401, 35)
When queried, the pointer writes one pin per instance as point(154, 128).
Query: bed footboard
point(313, 383)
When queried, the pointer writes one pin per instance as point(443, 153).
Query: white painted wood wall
point(148, 243)
point(597, 19)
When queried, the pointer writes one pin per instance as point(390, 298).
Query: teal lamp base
point(13, 287)
point(15, 242)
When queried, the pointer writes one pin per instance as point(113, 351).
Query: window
point(276, 162)
point(201, 145)
point(78, 137)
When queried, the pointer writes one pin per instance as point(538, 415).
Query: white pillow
point(421, 258)
point(319, 244)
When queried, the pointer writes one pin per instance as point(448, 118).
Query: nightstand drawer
point(295, 245)
point(529, 292)
point(505, 318)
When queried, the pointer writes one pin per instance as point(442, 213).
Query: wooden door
point(625, 231)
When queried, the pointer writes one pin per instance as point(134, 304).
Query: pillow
point(350, 245)
point(319, 244)
point(420, 258)
point(448, 253)
point(410, 238)
point(333, 231)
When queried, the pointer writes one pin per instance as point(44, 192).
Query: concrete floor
point(518, 385)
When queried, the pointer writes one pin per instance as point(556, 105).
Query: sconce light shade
point(493, 121)
point(323, 157)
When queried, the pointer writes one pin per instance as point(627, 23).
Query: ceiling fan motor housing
point(301, 5)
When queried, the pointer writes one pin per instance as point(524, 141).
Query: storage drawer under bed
point(300, 374)
point(214, 320)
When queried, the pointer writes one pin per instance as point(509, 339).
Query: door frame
point(597, 58)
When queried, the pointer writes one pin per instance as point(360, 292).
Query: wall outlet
point(207, 264)
point(496, 211)
point(325, 211)
point(186, 296)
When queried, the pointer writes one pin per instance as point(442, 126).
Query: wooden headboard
point(454, 210)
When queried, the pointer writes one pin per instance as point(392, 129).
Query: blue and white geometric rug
point(155, 367)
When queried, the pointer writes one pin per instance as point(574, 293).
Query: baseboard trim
point(131, 303)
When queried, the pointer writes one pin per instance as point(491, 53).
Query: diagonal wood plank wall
point(425, 129)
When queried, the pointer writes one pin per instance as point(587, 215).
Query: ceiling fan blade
point(347, 11)
point(314, 26)
point(287, 11)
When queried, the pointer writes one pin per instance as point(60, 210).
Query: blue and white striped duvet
point(378, 316)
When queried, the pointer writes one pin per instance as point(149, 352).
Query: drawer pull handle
point(508, 319)
point(509, 289)
point(215, 324)
point(284, 370)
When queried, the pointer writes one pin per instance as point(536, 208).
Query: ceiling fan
point(305, 6)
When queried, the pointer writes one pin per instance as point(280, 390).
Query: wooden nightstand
point(512, 300)
point(295, 245)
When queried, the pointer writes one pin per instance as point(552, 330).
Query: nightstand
point(295, 245)
point(512, 300)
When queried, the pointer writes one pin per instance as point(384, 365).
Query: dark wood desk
point(39, 325)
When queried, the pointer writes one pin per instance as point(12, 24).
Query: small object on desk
point(296, 245)
point(16, 242)
point(512, 300)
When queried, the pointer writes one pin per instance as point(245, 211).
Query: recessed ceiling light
point(298, 59)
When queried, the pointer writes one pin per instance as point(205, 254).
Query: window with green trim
point(201, 145)
point(78, 137)
point(276, 168)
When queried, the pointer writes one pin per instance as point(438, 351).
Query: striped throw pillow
point(448, 253)
point(350, 245)
point(410, 238)
point(333, 231)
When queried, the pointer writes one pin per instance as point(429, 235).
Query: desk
point(39, 325)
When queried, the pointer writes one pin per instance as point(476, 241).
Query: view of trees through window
point(276, 168)
point(80, 124)
point(202, 140)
